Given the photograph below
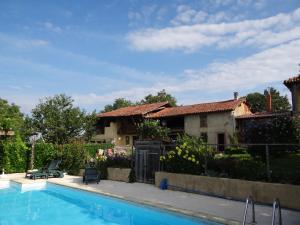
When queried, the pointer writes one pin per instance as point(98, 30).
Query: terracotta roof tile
point(198, 108)
point(292, 80)
point(262, 115)
point(135, 110)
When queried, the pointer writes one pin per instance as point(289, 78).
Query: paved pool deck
point(202, 206)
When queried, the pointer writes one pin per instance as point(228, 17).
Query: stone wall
point(222, 122)
point(289, 195)
point(118, 174)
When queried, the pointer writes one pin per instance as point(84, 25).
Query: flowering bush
point(100, 156)
point(188, 156)
point(119, 161)
point(109, 158)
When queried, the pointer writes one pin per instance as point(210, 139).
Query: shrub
point(188, 156)
point(280, 129)
point(92, 148)
point(108, 159)
point(13, 155)
point(73, 157)
point(233, 150)
point(242, 166)
point(119, 161)
point(151, 129)
point(44, 153)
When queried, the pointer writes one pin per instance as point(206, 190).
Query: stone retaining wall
point(118, 174)
point(289, 195)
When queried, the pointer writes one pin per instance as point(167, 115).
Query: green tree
point(151, 129)
point(58, 120)
point(118, 103)
point(257, 101)
point(10, 116)
point(161, 96)
point(90, 126)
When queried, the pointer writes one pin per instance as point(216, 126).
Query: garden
point(66, 132)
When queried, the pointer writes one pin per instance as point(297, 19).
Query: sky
point(97, 51)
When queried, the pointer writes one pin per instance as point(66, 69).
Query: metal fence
point(263, 161)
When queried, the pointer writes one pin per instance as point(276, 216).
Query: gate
point(147, 154)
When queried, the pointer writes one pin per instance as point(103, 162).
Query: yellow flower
point(189, 158)
point(193, 160)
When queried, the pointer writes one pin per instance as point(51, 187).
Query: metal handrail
point(276, 205)
point(249, 200)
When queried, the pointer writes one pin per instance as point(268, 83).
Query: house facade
point(214, 122)
point(120, 126)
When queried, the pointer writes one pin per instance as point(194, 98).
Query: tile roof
point(291, 81)
point(262, 115)
point(198, 108)
point(137, 110)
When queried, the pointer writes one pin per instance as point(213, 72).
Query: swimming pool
point(54, 204)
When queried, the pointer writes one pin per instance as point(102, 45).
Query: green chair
point(52, 170)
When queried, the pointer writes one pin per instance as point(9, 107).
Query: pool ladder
point(276, 208)
point(276, 205)
point(249, 200)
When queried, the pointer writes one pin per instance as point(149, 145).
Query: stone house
point(214, 122)
point(119, 126)
point(293, 84)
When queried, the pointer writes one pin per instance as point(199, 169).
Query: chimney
point(235, 95)
point(268, 100)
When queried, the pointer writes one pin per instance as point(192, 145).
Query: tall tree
point(257, 101)
point(90, 126)
point(118, 103)
point(161, 96)
point(58, 120)
point(10, 116)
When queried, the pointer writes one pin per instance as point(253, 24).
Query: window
point(203, 121)
point(203, 136)
point(127, 140)
point(107, 124)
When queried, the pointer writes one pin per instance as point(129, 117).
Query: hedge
point(13, 155)
point(74, 156)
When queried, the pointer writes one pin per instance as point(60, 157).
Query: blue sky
point(96, 51)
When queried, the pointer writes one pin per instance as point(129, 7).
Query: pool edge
point(197, 215)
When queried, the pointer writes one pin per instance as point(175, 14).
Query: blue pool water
point(58, 205)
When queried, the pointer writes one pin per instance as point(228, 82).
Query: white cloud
point(22, 43)
point(260, 33)
point(272, 65)
point(187, 15)
point(51, 27)
point(269, 66)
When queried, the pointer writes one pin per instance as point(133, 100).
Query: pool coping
point(196, 215)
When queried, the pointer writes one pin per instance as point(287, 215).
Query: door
point(147, 161)
point(221, 142)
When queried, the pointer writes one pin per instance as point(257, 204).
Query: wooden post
point(32, 155)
